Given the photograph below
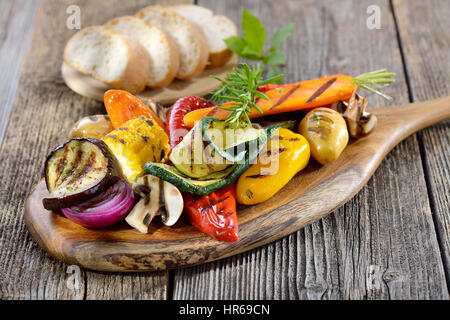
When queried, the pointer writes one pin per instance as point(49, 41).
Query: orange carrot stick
point(303, 95)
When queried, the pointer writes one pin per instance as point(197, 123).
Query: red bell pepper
point(174, 123)
point(214, 214)
point(269, 86)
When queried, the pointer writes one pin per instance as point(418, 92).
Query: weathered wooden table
point(391, 241)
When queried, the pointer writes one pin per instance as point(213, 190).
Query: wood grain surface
point(16, 23)
point(309, 196)
point(427, 58)
point(373, 247)
point(384, 244)
point(44, 108)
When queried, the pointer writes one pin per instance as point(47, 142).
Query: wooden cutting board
point(199, 86)
point(312, 194)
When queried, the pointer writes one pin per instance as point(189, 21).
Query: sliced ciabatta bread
point(189, 39)
point(164, 57)
point(110, 57)
point(215, 27)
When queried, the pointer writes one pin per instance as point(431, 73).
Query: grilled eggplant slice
point(76, 171)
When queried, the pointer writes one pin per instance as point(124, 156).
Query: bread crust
point(137, 71)
point(216, 58)
point(202, 58)
point(174, 58)
point(135, 75)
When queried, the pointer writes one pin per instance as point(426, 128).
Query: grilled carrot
point(303, 95)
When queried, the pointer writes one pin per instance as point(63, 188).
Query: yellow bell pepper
point(285, 155)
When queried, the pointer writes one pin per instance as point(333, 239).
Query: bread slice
point(189, 39)
point(215, 27)
point(108, 56)
point(164, 57)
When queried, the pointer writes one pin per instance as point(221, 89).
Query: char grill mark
point(285, 96)
point(86, 168)
point(322, 89)
point(75, 164)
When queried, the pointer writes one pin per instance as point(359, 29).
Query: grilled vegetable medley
point(209, 156)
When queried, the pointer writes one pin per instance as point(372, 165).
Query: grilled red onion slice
point(105, 209)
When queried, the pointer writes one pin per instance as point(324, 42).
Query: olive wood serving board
point(309, 196)
point(199, 86)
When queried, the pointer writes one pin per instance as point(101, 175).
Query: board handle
point(399, 122)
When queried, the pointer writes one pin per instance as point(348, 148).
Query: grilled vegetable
point(214, 214)
point(76, 171)
point(106, 208)
point(231, 143)
point(174, 124)
point(359, 122)
point(214, 182)
point(304, 95)
point(158, 198)
point(96, 126)
point(285, 154)
point(211, 146)
point(326, 132)
point(122, 106)
point(135, 142)
point(194, 158)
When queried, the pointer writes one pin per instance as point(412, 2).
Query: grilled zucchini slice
point(231, 144)
point(212, 182)
point(212, 147)
point(193, 158)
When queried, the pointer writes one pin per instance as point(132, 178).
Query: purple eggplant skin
point(55, 202)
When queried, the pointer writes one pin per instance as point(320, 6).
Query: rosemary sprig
point(240, 87)
point(316, 117)
point(379, 78)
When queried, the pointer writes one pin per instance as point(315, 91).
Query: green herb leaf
point(275, 71)
point(235, 44)
point(249, 53)
point(275, 58)
point(240, 86)
point(253, 30)
point(251, 47)
point(281, 35)
point(316, 117)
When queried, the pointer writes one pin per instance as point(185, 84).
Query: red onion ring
point(104, 209)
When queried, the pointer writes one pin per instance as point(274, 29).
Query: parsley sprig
point(240, 87)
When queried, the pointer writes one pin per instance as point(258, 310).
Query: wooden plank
point(426, 47)
point(127, 286)
point(316, 191)
point(16, 21)
point(43, 111)
point(382, 244)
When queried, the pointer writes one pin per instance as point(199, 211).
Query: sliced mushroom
point(158, 198)
point(359, 122)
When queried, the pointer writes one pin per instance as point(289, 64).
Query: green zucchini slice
point(231, 144)
point(213, 183)
point(193, 158)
